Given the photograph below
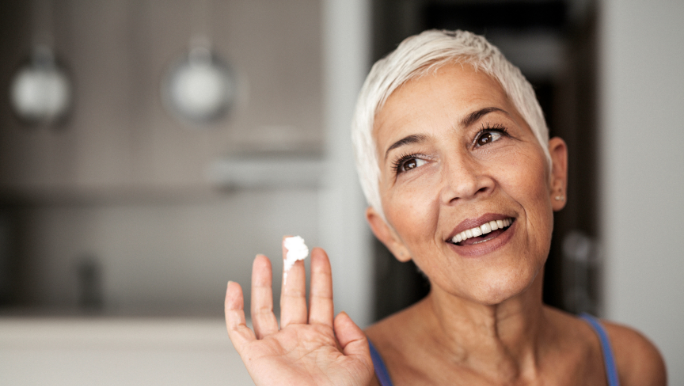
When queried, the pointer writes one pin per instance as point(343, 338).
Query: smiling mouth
point(483, 233)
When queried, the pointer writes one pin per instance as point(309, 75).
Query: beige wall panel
point(120, 137)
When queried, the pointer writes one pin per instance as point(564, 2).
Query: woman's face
point(455, 155)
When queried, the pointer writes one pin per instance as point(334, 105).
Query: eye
point(408, 162)
point(489, 135)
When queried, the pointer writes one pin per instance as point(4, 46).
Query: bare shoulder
point(380, 335)
point(397, 339)
point(638, 360)
point(391, 331)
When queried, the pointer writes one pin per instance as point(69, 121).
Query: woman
point(456, 164)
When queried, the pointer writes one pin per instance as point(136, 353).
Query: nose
point(465, 178)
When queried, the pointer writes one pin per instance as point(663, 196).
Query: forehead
point(449, 93)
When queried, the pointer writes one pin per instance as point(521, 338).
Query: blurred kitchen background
point(150, 148)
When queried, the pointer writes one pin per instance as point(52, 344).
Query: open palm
point(310, 348)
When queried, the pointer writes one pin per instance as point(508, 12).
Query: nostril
point(464, 182)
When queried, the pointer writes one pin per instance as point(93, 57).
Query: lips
point(480, 230)
point(489, 228)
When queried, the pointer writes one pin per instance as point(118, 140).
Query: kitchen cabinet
point(119, 139)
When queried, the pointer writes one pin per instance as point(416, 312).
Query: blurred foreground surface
point(118, 351)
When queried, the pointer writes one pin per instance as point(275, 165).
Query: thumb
point(351, 337)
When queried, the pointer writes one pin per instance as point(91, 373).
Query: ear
point(559, 173)
point(387, 235)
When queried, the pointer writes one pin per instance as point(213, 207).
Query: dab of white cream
point(296, 250)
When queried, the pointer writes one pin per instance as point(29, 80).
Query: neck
point(502, 339)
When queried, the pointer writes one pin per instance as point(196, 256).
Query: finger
point(352, 339)
point(236, 324)
point(263, 319)
point(321, 298)
point(293, 294)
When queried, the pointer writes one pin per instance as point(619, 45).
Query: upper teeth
point(481, 230)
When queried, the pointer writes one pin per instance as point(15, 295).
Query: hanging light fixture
point(40, 91)
point(199, 88)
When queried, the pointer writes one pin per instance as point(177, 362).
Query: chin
point(496, 289)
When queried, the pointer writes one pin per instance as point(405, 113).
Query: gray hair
point(416, 56)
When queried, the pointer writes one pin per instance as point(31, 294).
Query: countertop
point(70, 350)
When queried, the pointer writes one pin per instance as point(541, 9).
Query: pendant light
point(40, 91)
point(199, 88)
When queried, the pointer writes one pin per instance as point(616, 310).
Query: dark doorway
point(553, 42)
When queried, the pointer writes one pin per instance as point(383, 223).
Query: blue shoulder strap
point(608, 360)
point(379, 365)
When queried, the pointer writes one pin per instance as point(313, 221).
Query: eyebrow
point(405, 141)
point(465, 122)
point(474, 116)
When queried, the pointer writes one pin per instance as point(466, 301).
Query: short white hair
point(416, 56)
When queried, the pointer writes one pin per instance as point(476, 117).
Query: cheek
point(528, 185)
point(412, 211)
point(525, 174)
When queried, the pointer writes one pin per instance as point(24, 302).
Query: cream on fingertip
point(296, 250)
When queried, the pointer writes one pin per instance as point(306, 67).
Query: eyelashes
point(407, 162)
point(487, 134)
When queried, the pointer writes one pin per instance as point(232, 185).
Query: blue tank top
point(608, 360)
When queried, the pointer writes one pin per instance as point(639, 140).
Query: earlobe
point(559, 172)
point(387, 235)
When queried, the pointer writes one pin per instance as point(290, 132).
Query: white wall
point(642, 170)
point(344, 232)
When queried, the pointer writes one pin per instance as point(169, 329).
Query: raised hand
point(310, 348)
